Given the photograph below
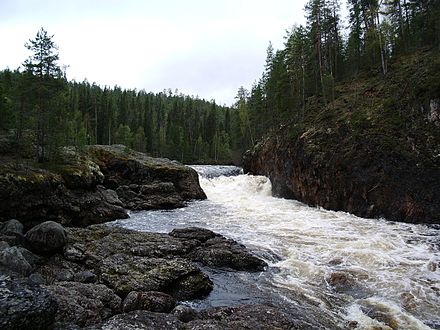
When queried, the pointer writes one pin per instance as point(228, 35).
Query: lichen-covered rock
point(228, 318)
point(152, 301)
point(46, 238)
point(246, 317)
point(140, 320)
point(85, 276)
point(200, 234)
point(225, 253)
point(80, 189)
point(178, 277)
point(217, 251)
point(34, 195)
point(24, 305)
point(143, 182)
point(152, 196)
point(84, 304)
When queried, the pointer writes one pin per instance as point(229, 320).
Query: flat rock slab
point(242, 317)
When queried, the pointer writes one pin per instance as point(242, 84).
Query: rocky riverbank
point(103, 277)
point(374, 151)
point(93, 185)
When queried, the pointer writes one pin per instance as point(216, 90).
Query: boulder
point(24, 305)
point(4, 245)
point(12, 258)
point(152, 196)
point(11, 228)
point(185, 313)
point(46, 238)
point(84, 304)
point(152, 301)
point(216, 251)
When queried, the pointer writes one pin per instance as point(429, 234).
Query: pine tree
point(47, 84)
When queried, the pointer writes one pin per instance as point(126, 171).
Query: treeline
point(321, 54)
point(45, 111)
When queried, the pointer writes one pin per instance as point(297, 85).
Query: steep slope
point(374, 151)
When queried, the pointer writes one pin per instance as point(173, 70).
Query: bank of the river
point(365, 273)
point(374, 151)
point(92, 185)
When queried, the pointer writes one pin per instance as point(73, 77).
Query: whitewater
point(370, 273)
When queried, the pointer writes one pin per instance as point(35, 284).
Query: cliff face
point(92, 186)
point(373, 152)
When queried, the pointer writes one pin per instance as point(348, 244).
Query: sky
point(200, 47)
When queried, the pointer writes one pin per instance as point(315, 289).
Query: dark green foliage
point(307, 74)
point(179, 127)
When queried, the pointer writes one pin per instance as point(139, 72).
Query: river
point(369, 273)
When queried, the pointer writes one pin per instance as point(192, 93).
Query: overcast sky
point(201, 47)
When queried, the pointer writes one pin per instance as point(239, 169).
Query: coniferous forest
point(41, 107)
point(324, 54)
point(45, 111)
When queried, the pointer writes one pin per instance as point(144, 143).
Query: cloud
point(204, 48)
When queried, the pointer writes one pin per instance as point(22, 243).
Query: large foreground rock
point(93, 185)
point(24, 305)
point(112, 278)
point(84, 304)
point(240, 317)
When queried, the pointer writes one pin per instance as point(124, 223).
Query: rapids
point(369, 273)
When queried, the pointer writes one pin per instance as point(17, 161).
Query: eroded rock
point(46, 238)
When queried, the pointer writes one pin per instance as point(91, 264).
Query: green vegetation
point(375, 81)
point(44, 111)
point(378, 73)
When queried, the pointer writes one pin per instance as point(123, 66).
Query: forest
point(325, 54)
point(42, 108)
point(44, 111)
